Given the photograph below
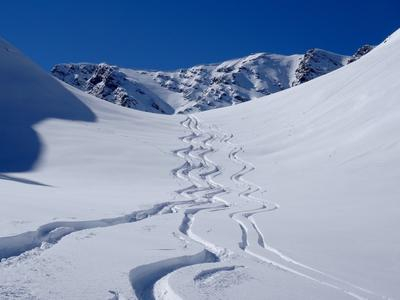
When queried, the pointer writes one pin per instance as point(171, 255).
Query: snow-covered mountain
point(360, 52)
point(201, 87)
point(317, 62)
point(294, 196)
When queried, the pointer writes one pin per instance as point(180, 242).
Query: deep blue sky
point(172, 34)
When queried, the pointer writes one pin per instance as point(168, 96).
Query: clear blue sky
point(172, 34)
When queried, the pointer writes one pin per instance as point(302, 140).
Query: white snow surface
point(292, 196)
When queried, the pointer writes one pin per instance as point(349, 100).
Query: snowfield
point(292, 196)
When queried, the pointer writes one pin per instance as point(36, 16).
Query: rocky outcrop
point(317, 62)
point(108, 83)
point(360, 52)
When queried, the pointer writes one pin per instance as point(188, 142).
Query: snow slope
point(292, 197)
point(20, 110)
point(328, 153)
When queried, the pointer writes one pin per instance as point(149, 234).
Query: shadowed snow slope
point(28, 96)
point(328, 153)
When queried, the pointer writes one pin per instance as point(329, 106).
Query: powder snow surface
point(292, 196)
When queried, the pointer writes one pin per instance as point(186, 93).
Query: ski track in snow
point(53, 232)
point(150, 281)
point(202, 184)
point(209, 274)
point(266, 253)
point(145, 277)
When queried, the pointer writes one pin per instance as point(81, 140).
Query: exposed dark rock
point(361, 52)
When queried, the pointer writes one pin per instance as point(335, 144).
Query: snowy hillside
point(201, 87)
point(328, 153)
point(291, 197)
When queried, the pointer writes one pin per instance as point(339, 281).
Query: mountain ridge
point(205, 86)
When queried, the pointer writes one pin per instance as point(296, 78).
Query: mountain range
point(202, 87)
